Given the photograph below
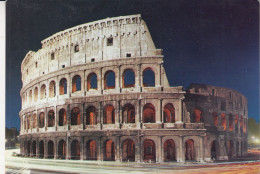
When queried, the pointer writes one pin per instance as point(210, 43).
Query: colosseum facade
point(99, 91)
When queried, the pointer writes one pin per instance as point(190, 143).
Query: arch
point(91, 115)
point(34, 148)
point(223, 121)
point(43, 91)
point(35, 94)
point(149, 150)
point(30, 97)
point(41, 120)
point(62, 149)
point(128, 78)
point(148, 113)
point(29, 122)
point(75, 150)
point(75, 116)
point(236, 123)
point(28, 148)
point(109, 115)
point(50, 149)
point(24, 123)
point(34, 120)
point(148, 77)
point(189, 150)
point(92, 81)
point(128, 150)
point(63, 86)
point(230, 122)
point(109, 151)
point(215, 118)
point(128, 113)
point(169, 113)
point(52, 89)
point(213, 149)
point(51, 118)
point(91, 148)
point(41, 149)
point(109, 80)
point(244, 126)
point(169, 150)
point(196, 116)
point(62, 117)
point(230, 147)
point(76, 83)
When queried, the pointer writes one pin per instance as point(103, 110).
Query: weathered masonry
point(99, 91)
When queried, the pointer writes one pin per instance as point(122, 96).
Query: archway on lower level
point(28, 148)
point(149, 150)
point(128, 150)
point(109, 153)
point(230, 147)
point(91, 148)
point(62, 149)
point(189, 150)
point(41, 149)
point(34, 148)
point(50, 149)
point(213, 150)
point(75, 150)
point(169, 150)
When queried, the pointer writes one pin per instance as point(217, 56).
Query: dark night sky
point(204, 41)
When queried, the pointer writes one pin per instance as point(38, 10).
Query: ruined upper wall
point(110, 38)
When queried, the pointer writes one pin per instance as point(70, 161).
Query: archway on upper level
point(236, 123)
point(62, 149)
point(63, 86)
point(92, 81)
point(29, 122)
point(76, 83)
point(91, 115)
point(75, 116)
point(50, 149)
point(41, 120)
point(62, 117)
point(169, 150)
point(75, 150)
point(30, 97)
point(231, 122)
point(43, 91)
point(128, 113)
point(215, 118)
point(128, 150)
point(148, 113)
point(128, 78)
point(109, 151)
point(41, 149)
point(148, 77)
point(189, 150)
point(196, 116)
point(34, 120)
point(109, 80)
point(35, 94)
point(34, 148)
point(91, 148)
point(109, 115)
point(169, 113)
point(51, 118)
point(149, 150)
point(223, 121)
point(52, 89)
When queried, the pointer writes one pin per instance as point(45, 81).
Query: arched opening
point(30, 97)
point(50, 149)
point(109, 80)
point(149, 150)
point(148, 77)
point(230, 147)
point(75, 116)
point(128, 113)
point(34, 120)
point(62, 117)
point(91, 150)
point(34, 148)
point(236, 123)
point(244, 126)
point(63, 86)
point(29, 122)
point(35, 94)
point(197, 116)
point(109, 115)
point(43, 91)
point(213, 150)
point(28, 148)
point(62, 149)
point(148, 113)
point(189, 150)
point(24, 123)
point(128, 79)
point(215, 118)
point(51, 118)
point(76, 83)
point(128, 150)
point(109, 151)
point(41, 120)
point(223, 121)
point(75, 150)
point(169, 150)
point(41, 149)
point(91, 115)
point(52, 89)
point(92, 81)
point(169, 113)
point(231, 122)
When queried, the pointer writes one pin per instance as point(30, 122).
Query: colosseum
point(99, 91)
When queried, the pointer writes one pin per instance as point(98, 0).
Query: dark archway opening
point(92, 81)
point(109, 80)
point(149, 150)
point(91, 116)
point(62, 149)
point(128, 150)
point(50, 149)
point(75, 116)
point(169, 151)
point(109, 151)
point(148, 78)
point(62, 117)
point(189, 150)
point(128, 113)
point(109, 115)
point(169, 113)
point(63, 86)
point(148, 113)
point(91, 150)
point(213, 150)
point(34, 149)
point(76, 83)
point(41, 149)
point(75, 150)
point(128, 79)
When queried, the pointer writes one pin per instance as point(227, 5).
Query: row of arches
point(128, 80)
point(128, 116)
